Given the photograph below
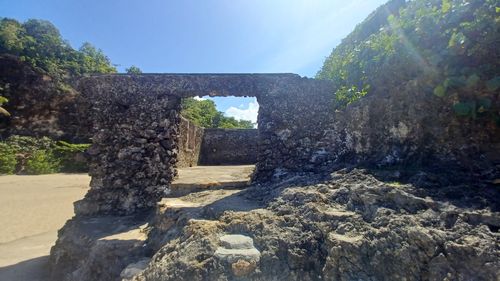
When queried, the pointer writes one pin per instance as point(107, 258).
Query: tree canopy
point(39, 43)
point(133, 70)
point(204, 113)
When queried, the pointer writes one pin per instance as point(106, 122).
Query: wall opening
point(218, 131)
point(136, 126)
point(218, 143)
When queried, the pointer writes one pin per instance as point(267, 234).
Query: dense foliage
point(133, 70)
point(70, 157)
point(204, 113)
point(40, 44)
point(29, 155)
point(7, 159)
point(3, 100)
point(452, 46)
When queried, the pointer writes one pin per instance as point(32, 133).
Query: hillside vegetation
point(452, 46)
point(39, 44)
point(204, 113)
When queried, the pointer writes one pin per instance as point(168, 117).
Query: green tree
point(204, 113)
point(7, 159)
point(3, 111)
point(39, 43)
point(94, 60)
point(11, 36)
point(133, 70)
point(42, 162)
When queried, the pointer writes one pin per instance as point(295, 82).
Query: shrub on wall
point(71, 157)
point(7, 159)
point(28, 145)
point(42, 162)
point(29, 155)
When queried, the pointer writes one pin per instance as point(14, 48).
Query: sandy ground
point(214, 174)
point(32, 209)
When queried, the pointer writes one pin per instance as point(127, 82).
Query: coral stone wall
point(190, 140)
point(134, 150)
point(293, 119)
point(229, 147)
point(136, 131)
point(407, 126)
point(37, 104)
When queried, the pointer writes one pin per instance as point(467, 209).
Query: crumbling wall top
point(188, 85)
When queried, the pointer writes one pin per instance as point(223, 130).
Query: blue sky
point(204, 36)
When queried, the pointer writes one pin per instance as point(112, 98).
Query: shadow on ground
point(30, 270)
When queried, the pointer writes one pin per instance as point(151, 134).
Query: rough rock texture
point(136, 129)
point(349, 227)
point(288, 140)
point(229, 147)
point(134, 269)
point(201, 146)
point(98, 248)
point(406, 126)
point(292, 120)
point(238, 251)
point(189, 85)
point(134, 150)
point(38, 105)
point(190, 140)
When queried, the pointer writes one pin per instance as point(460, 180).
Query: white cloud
point(249, 113)
point(199, 98)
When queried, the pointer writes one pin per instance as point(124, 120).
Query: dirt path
point(32, 209)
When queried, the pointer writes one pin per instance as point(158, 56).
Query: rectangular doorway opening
point(218, 144)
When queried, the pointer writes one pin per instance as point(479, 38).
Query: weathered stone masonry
point(136, 129)
point(138, 142)
point(213, 146)
point(229, 147)
point(133, 152)
point(190, 139)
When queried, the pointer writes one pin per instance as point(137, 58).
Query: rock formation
point(38, 105)
point(391, 186)
point(299, 221)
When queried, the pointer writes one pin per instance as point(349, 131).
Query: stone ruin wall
point(212, 146)
point(293, 118)
point(229, 147)
point(190, 140)
point(134, 150)
point(38, 106)
point(406, 126)
point(396, 124)
point(136, 126)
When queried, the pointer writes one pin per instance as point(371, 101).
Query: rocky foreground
point(350, 225)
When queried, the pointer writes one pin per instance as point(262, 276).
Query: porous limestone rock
point(134, 269)
point(97, 248)
point(350, 226)
point(236, 241)
point(236, 247)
